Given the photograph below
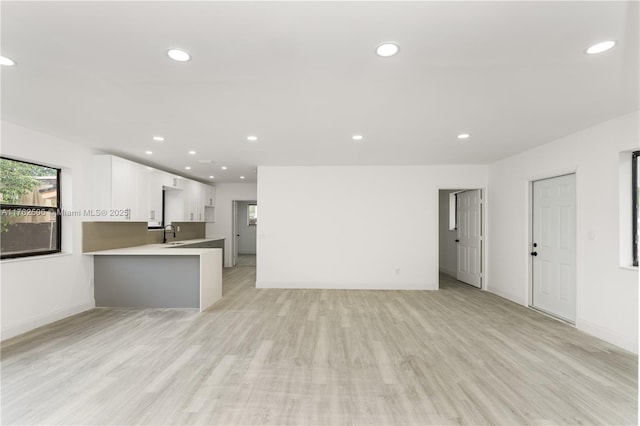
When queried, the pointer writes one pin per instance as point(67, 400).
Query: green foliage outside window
point(17, 181)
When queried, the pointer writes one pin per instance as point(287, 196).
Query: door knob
point(534, 253)
point(457, 241)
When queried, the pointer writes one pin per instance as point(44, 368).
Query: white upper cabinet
point(119, 191)
point(128, 191)
point(190, 201)
point(195, 198)
point(208, 195)
point(155, 179)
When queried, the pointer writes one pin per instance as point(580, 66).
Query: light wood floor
point(246, 260)
point(457, 355)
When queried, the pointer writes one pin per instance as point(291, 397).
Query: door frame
point(234, 232)
point(234, 229)
point(529, 243)
point(484, 223)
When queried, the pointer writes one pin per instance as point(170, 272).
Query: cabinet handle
point(153, 214)
point(191, 216)
point(210, 201)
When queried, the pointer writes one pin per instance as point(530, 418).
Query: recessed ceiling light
point(386, 49)
point(357, 137)
point(224, 167)
point(601, 47)
point(178, 55)
point(252, 138)
point(149, 168)
point(158, 138)
point(463, 136)
point(192, 152)
point(187, 168)
point(148, 152)
point(7, 61)
point(211, 177)
point(241, 177)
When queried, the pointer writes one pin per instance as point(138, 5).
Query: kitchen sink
point(177, 243)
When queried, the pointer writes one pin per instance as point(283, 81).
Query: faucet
point(164, 232)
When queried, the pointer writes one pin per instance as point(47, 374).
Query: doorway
point(245, 224)
point(553, 246)
point(461, 239)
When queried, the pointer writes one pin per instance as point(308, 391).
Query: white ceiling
point(304, 78)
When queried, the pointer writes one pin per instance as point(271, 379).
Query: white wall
point(448, 252)
point(607, 300)
point(365, 227)
point(39, 290)
point(226, 193)
point(247, 239)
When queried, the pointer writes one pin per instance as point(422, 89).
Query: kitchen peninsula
point(183, 274)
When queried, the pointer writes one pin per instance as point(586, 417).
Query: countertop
point(160, 249)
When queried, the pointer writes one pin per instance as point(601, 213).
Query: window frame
point(56, 210)
point(249, 214)
point(634, 204)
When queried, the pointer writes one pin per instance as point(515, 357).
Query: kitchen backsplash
point(188, 231)
point(111, 235)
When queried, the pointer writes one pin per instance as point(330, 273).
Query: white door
point(469, 221)
point(554, 246)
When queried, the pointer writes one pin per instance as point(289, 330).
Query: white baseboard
point(510, 297)
point(15, 330)
point(345, 286)
point(607, 335)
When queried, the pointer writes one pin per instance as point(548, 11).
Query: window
point(252, 214)
point(29, 202)
point(453, 208)
point(635, 196)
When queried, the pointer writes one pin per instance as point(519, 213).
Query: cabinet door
point(203, 191)
point(123, 190)
point(196, 202)
point(190, 200)
point(154, 189)
point(209, 199)
point(208, 195)
point(141, 211)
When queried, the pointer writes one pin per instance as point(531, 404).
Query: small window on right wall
point(252, 214)
point(635, 196)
